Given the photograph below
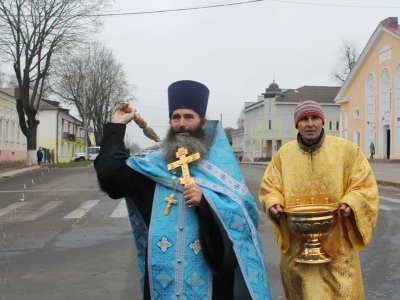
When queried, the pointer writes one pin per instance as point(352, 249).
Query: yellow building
point(370, 97)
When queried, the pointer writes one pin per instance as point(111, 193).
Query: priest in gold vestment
point(320, 166)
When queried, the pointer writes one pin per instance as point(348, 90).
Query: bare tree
point(135, 148)
point(132, 147)
point(31, 31)
point(95, 83)
point(347, 59)
point(7, 81)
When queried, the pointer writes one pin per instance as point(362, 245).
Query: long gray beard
point(194, 144)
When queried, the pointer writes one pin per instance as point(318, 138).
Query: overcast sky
point(234, 50)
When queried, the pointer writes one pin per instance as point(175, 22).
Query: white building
point(237, 143)
point(13, 148)
point(269, 122)
point(59, 134)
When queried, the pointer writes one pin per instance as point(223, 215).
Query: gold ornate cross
point(183, 162)
point(170, 201)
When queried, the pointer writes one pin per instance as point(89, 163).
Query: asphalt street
point(68, 240)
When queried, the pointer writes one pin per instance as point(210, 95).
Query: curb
point(379, 182)
point(29, 169)
point(18, 172)
point(387, 183)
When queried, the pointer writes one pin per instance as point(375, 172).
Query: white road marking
point(41, 211)
point(82, 209)
point(11, 207)
point(394, 200)
point(387, 207)
point(120, 211)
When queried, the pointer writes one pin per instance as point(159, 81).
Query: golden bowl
point(312, 221)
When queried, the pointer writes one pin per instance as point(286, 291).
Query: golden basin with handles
point(312, 221)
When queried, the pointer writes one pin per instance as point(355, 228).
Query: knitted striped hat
point(308, 108)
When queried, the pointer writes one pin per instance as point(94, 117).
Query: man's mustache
point(182, 130)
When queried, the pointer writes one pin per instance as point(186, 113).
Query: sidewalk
point(386, 174)
point(10, 173)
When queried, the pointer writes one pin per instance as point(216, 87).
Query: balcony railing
point(79, 140)
point(68, 136)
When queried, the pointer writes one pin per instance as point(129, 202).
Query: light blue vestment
point(175, 260)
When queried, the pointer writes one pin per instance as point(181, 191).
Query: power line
point(233, 4)
point(239, 3)
point(173, 10)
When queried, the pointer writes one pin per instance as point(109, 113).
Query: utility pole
point(85, 121)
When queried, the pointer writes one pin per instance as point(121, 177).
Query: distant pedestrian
point(372, 150)
point(39, 155)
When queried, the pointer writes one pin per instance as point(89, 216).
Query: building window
point(12, 132)
point(18, 133)
point(330, 126)
point(6, 132)
point(357, 137)
point(356, 113)
point(269, 106)
point(337, 125)
point(269, 125)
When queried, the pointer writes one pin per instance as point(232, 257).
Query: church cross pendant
point(183, 162)
point(170, 201)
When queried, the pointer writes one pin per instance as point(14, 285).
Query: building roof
point(49, 105)
point(8, 91)
point(272, 90)
point(389, 25)
point(320, 94)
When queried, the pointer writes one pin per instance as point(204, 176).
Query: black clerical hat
point(188, 94)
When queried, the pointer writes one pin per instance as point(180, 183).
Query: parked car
point(78, 157)
point(93, 152)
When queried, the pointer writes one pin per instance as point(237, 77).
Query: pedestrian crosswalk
point(11, 208)
point(25, 211)
point(82, 210)
point(41, 211)
point(120, 211)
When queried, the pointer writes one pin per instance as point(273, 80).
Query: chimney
point(391, 22)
